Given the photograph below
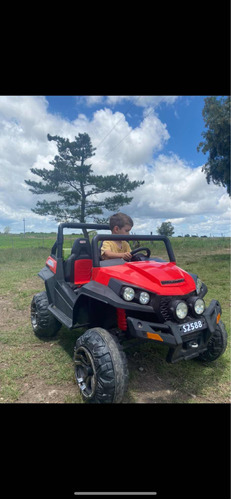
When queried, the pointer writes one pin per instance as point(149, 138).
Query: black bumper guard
point(181, 345)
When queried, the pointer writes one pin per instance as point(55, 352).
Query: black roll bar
point(73, 225)
point(130, 237)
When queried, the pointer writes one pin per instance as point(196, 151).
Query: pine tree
point(76, 186)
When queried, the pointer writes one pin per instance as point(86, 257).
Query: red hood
point(150, 275)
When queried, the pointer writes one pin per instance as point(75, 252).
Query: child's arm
point(108, 254)
point(108, 251)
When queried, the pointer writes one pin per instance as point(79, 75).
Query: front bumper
point(181, 345)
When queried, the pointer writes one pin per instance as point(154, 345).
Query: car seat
point(78, 267)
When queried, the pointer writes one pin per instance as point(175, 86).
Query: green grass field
point(38, 371)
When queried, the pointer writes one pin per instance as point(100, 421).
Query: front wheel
point(216, 345)
point(100, 367)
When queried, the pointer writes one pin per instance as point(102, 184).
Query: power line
point(116, 123)
point(130, 131)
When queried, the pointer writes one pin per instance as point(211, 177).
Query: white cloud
point(137, 100)
point(119, 144)
point(93, 99)
point(172, 191)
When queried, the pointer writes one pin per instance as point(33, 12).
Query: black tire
point(216, 345)
point(44, 324)
point(100, 367)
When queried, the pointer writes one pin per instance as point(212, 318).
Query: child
point(119, 224)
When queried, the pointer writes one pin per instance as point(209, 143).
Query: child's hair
point(120, 220)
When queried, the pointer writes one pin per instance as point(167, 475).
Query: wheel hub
point(85, 372)
point(34, 316)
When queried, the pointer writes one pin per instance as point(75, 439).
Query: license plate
point(193, 326)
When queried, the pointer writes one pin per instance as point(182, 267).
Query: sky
point(150, 138)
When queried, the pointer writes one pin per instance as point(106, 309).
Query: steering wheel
point(139, 257)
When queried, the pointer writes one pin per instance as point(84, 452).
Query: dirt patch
point(10, 317)
point(30, 284)
point(37, 391)
point(148, 387)
point(151, 391)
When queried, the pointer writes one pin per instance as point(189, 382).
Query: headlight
point(144, 298)
point(198, 285)
point(128, 293)
point(181, 310)
point(199, 306)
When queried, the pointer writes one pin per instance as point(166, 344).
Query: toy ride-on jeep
point(114, 300)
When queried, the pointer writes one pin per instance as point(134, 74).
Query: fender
point(45, 273)
point(50, 280)
point(108, 296)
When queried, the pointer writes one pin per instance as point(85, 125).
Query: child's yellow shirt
point(113, 247)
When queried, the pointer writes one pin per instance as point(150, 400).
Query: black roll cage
point(112, 237)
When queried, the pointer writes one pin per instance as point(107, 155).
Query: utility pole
point(24, 222)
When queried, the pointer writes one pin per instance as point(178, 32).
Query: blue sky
point(184, 120)
point(150, 138)
point(185, 125)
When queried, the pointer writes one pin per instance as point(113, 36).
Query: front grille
point(161, 305)
point(164, 309)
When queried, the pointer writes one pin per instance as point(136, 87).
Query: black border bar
point(130, 237)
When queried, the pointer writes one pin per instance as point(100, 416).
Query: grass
point(34, 370)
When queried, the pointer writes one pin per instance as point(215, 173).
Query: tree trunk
point(83, 204)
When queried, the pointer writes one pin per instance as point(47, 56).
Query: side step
point(60, 316)
point(62, 306)
point(63, 318)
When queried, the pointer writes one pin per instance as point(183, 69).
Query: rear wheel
point(44, 324)
point(100, 367)
point(216, 345)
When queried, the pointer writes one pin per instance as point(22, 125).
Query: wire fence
point(37, 241)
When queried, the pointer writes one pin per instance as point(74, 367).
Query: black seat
point(82, 248)
point(77, 268)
